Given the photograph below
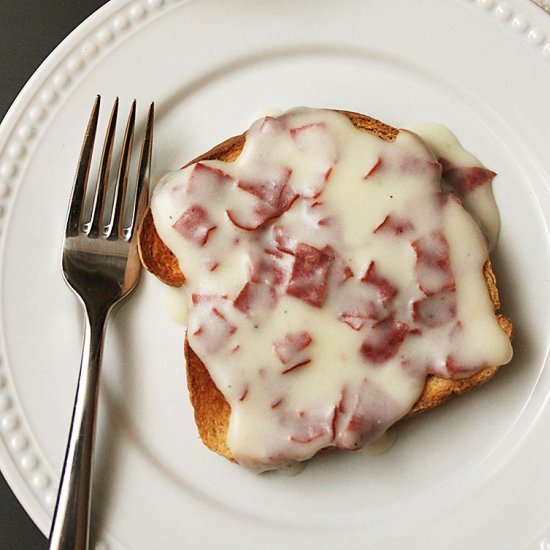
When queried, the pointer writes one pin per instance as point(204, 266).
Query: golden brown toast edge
point(211, 409)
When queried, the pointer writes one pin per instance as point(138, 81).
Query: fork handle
point(71, 521)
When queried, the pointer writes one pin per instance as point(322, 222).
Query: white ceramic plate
point(473, 473)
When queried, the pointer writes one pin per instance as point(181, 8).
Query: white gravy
point(327, 274)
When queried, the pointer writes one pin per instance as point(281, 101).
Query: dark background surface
point(30, 30)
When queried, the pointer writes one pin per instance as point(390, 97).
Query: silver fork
point(101, 265)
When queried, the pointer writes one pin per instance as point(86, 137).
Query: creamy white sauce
point(175, 304)
point(480, 202)
point(312, 356)
point(383, 444)
point(291, 469)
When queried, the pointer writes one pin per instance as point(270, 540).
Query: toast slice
point(212, 411)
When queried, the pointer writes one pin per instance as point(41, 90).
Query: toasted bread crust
point(212, 411)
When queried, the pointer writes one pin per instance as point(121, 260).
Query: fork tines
point(114, 228)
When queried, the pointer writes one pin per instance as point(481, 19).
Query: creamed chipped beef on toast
point(337, 279)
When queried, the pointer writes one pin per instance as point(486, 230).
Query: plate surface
point(473, 472)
